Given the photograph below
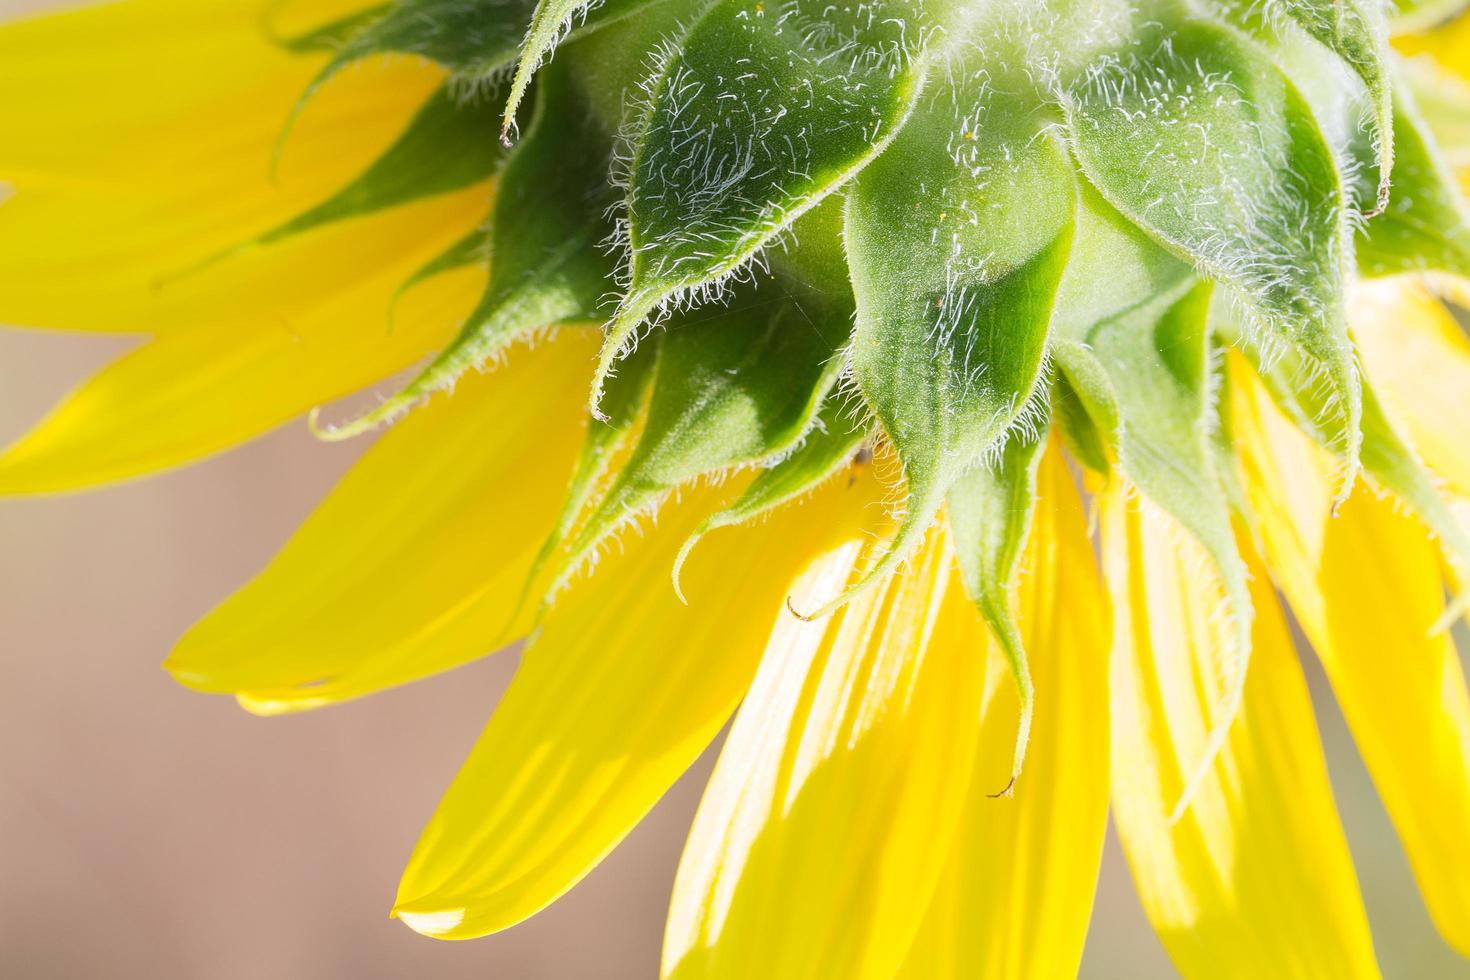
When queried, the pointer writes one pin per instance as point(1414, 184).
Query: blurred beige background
point(146, 831)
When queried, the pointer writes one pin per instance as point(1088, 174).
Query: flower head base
point(883, 252)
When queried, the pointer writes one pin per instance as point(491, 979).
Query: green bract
point(813, 230)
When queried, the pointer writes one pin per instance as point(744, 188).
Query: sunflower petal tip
point(181, 672)
point(438, 924)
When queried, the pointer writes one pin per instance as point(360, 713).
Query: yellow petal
point(1418, 358)
point(1017, 893)
point(1367, 590)
point(1255, 879)
point(825, 827)
point(415, 561)
point(132, 163)
point(191, 393)
point(619, 693)
point(77, 105)
point(1448, 44)
point(290, 19)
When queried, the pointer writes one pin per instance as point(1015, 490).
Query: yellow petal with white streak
point(621, 690)
point(825, 827)
point(1255, 879)
point(133, 162)
point(1366, 587)
point(415, 562)
point(190, 393)
point(1418, 358)
point(1017, 892)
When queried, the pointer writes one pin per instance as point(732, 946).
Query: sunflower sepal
point(735, 388)
point(545, 267)
point(1207, 112)
point(954, 313)
point(990, 513)
point(836, 440)
point(715, 172)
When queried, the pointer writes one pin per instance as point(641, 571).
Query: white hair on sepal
point(576, 18)
point(698, 242)
point(468, 86)
point(642, 519)
point(1214, 386)
point(638, 108)
point(887, 466)
point(636, 522)
point(1311, 377)
point(445, 385)
point(658, 78)
point(1030, 421)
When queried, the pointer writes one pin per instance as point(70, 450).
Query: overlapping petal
point(825, 827)
point(1366, 587)
point(144, 158)
point(1255, 878)
point(1017, 891)
point(190, 393)
point(415, 562)
point(1419, 358)
point(618, 694)
point(1448, 43)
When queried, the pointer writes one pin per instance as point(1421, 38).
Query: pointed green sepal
point(473, 39)
point(552, 21)
point(1203, 142)
point(546, 266)
point(834, 440)
point(957, 237)
point(1357, 32)
point(627, 393)
point(758, 113)
point(1132, 341)
point(734, 387)
point(1425, 226)
point(1388, 459)
point(990, 510)
point(447, 146)
point(1148, 380)
point(330, 36)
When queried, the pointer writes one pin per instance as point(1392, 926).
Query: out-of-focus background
point(147, 831)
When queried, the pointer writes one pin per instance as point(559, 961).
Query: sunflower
point(947, 391)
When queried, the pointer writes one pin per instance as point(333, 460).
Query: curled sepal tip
point(552, 19)
point(990, 514)
point(824, 452)
point(619, 342)
point(924, 503)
